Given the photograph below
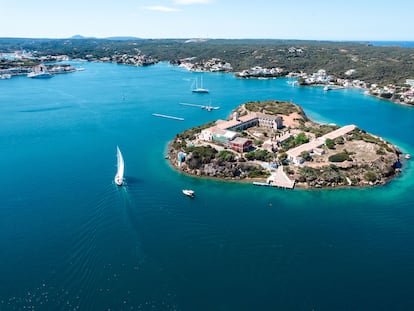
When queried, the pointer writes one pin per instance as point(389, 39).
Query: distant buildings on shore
point(15, 63)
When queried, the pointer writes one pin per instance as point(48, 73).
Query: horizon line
point(81, 37)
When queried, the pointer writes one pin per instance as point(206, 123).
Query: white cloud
point(160, 8)
point(191, 1)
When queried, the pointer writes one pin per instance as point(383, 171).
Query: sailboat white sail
point(119, 177)
point(199, 89)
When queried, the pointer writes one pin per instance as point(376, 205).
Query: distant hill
point(80, 37)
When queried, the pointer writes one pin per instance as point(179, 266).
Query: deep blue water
point(70, 239)
point(404, 44)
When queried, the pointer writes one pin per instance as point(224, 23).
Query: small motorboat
point(407, 156)
point(189, 193)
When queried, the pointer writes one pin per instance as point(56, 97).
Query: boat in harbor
point(119, 177)
point(5, 76)
point(40, 72)
point(199, 88)
point(189, 193)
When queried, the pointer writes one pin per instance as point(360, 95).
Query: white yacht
point(197, 88)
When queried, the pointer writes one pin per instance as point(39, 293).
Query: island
point(274, 143)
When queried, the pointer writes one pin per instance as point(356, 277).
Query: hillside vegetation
point(373, 64)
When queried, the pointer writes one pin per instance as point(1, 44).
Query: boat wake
point(88, 270)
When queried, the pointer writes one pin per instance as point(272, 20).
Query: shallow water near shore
point(70, 238)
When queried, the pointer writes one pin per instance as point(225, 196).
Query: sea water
point(71, 239)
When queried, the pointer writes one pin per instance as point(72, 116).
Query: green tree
point(330, 143)
point(226, 156)
point(283, 158)
point(301, 138)
point(306, 155)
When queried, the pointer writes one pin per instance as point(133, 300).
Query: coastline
point(250, 181)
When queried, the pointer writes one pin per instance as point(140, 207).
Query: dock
point(192, 105)
point(278, 179)
point(276, 185)
point(167, 117)
point(207, 107)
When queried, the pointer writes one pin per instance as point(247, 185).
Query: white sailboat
point(199, 89)
point(119, 177)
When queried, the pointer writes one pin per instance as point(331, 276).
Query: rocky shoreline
point(252, 147)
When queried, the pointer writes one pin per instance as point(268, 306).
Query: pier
point(277, 179)
point(192, 105)
point(167, 117)
point(207, 107)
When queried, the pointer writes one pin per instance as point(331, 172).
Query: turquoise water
point(70, 239)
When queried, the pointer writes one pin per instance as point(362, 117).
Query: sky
point(234, 19)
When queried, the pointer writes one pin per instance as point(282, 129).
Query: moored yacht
point(199, 89)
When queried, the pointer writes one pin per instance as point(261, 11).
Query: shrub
point(380, 151)
point(258, 142)
point(225, 155)
point(339, 140)
point(258, 173)
point(261, 155)
point(203, 154)
point(370, 176)
point(330, 143)
point(339, 157)
point(370, 139)
point(283, 157)
point(306, 155)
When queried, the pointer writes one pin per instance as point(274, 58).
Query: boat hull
point(189, 193)
point(200, 91)
point(118, 180)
